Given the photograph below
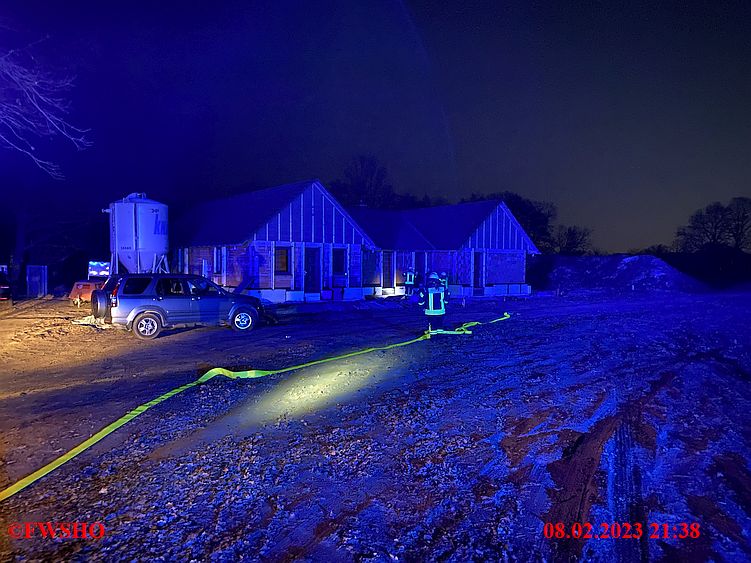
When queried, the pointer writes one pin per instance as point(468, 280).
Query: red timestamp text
point(621, 530)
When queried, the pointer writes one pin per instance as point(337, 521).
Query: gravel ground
point(584, 409)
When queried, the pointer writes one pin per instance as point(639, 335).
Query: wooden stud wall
point(500, 231)
point(313, 216)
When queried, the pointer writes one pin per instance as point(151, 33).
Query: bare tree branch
point(33, 106)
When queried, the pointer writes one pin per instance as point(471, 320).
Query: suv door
point(173, 296)
point(211, 305)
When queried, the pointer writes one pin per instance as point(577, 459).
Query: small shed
point(287, 243)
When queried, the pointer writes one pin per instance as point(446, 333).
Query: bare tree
point(706, 227)
point(739, 228)
point(33, 106)
point(365, 182)
point(573, 240)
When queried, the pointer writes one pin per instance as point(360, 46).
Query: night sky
point(628, 116)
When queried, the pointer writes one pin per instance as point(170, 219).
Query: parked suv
point(148, 303)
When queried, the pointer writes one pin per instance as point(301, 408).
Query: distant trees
point(572, 240)
point(538, 218)
point(717, 225)
point(654, 250)
point(535, 216)
point(366, 182)
point(33, 106)
point(739, 212)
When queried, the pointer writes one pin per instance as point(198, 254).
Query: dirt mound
point(616, 272)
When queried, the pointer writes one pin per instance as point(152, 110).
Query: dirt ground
point(598, 409)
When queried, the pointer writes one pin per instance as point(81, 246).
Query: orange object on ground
point(82, 289)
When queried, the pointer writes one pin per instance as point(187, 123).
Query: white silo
point(138, 234)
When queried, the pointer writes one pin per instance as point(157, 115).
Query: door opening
point(477, 274)
point(388, 269)
point(312, 269)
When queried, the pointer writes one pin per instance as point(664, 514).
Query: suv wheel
point(244, 320)
point(99, 303)
point(147, 326)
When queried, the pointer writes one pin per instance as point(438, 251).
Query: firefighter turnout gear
point(444, 277)
point(433, 300)
point(436, 302)
point(409, 281)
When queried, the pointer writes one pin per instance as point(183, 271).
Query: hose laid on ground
point(248, 374)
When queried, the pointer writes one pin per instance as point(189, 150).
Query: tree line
point(366, 182)
point(717, 225)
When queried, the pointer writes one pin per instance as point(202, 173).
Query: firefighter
point(433, 300)
point(419, 279)
point(444, 277)
point(409, 281)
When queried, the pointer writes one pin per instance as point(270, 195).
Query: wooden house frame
point(297, 243)
point(290, 243)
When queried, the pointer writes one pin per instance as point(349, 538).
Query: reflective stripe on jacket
point(434, 301)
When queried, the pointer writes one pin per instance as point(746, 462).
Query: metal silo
point(138, 234)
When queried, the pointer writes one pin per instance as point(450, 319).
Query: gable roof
point(389, 229)
point(444, 227)
point(527, 243)
point(449, 226)
point(234, 219)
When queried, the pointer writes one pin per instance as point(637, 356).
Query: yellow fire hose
point(248, 374)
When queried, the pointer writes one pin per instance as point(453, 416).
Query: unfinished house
point(297, 243)
point(289, 243)
point(480, 245)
